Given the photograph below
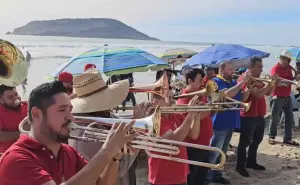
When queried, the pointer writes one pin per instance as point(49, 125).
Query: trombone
point(148, 139)
point(209, 107)
point(215, 96)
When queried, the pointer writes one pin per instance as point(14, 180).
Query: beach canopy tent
point(113, 61)
point(217, 54)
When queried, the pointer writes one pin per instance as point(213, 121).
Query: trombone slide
point(165, 149)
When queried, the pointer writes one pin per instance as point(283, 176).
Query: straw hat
point(286, 54)
point(94, 95)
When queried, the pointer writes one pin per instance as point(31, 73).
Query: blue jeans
point(220, 139)
point(277, 105)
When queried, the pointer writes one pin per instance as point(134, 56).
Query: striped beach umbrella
point(295, 53)
point(177, 56)
point(113, 61)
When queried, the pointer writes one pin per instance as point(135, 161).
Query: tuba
point(13, 65)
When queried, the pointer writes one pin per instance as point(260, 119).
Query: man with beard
point(12, 112)
point(40, 158)
point(224, 122)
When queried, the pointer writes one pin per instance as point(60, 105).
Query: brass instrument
point(211, 91)
point(160, 87)
point(209, 107)
point(258, 79)
point(215, 96)
point(148, 140)
point(13, 65)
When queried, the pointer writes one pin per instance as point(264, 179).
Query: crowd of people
point(46, 156)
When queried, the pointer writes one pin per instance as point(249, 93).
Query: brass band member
point(194, 79)
point(40, 158)
point(98, 104)
point(225, 122)
point(253, 121)
point(173, 127)
point(281, 100)
point(12, 112)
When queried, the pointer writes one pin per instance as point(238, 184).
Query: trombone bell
point(160, 87)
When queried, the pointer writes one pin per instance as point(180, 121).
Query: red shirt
point(9, 122)
point(164, 172)
point(283, 73)
point(206, 126)
point(258, 107)
point(28, 162)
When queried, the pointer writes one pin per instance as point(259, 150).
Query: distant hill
point(89, 28)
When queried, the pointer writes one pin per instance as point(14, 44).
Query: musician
point(281, 100)
point(98, 104)
point(210, 74)
point(89, 67)
point(40, 158)
point(12, 112)
point(194, 77)
point(225, 122)
point(253, 121)
point(67, 79)
point(173, 127)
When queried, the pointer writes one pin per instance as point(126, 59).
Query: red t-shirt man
point(282, 89)
point(29, 162)
point(206, 126)
point(9, 122)
point(258, 107)
point(164, 172)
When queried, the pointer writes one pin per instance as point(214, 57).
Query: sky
point(267, 22)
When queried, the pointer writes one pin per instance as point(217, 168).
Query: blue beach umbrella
point(295, 53)
point(113, 61)
point(217, 54)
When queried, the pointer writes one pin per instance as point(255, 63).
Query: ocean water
point(50, 52)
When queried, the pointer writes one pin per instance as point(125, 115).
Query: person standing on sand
point(253, 121)
point(197, 175)
point(28, 57)
point(24, 83)
point(225, 122)
point(174, 127)
point(281, 100)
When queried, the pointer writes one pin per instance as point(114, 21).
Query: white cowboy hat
point(94, 95)
point(286, 54)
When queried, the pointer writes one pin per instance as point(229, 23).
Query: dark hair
point(192, 73)
point(4, 88)
point(209, 69)
point(42, 96)
point(254, 61)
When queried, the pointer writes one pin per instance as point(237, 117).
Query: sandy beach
point(282, 163)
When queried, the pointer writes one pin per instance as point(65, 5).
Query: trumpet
point(148, 139)
point(259, 79)
point(160, 87)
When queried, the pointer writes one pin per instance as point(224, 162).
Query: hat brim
point(106, 99)
point(278, 56)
